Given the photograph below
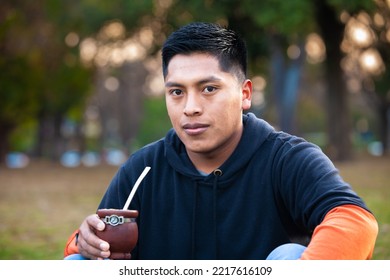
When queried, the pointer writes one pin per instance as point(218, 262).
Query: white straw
point(140, 178)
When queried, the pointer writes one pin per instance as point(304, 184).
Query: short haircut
point(199, 37)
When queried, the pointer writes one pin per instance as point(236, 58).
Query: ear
point(246, 94)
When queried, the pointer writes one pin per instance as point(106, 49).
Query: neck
point(209, 161)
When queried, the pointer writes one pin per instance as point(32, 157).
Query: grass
point(42, 204)
point(370, 177)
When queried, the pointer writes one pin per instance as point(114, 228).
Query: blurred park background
point(81, 88)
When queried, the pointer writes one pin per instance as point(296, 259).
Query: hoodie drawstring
point(217, 174)
point(194, 219)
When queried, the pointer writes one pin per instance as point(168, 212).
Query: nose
point(193, 105)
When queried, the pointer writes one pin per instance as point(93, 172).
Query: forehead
point(194, 65)
point(194, 59)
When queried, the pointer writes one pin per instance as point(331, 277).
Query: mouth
point(194, 129)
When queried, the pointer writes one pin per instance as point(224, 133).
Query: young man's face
point(205, 104)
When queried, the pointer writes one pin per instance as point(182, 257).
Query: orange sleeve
point(71, 244)
point(347, 232)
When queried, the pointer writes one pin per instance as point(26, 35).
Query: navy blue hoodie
point(275, 188)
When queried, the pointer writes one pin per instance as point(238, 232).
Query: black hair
point(199, 37)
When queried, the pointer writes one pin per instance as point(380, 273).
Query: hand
point(89, 245)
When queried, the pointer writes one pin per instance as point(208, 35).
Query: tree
point(275, 26)
point(374, 66)
point(20, 67)
point(269, 28)
point(53, 83)
point(43, 78)
point(339, 127)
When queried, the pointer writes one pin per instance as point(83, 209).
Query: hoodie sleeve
point(347, 232)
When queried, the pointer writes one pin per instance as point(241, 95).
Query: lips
point(194, 129)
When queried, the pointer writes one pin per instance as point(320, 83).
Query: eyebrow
point(200, 82)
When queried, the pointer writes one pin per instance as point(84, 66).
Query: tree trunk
point(381, 108)
point(5, 130)
point(285, 78)
point(384, 123)
point(121, 111)
point(339, 127)
point(131, 98)
point(50, 143)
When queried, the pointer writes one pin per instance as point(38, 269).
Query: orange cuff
point(347, 232)
point(71, 244)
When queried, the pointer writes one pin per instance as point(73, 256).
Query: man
point(224, 184)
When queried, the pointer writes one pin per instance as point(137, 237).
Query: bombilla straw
point(140, 178)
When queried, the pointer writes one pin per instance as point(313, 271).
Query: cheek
point(172, 113)
point(169, 106)
point(234, 105)
point(231, 113)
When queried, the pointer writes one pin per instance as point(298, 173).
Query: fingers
point(90, 246)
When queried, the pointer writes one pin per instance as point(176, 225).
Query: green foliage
point(23, 137)
point(282, 17)
point(88, 16)
point(311, 116)
point(18, 90)
point(68, 87)
point(183, 12)
point(41, 76)
point(20, 74)
point(285, 17)
point(155, 123)
point(352, 6)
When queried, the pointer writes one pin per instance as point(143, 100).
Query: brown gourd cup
point(121, 231)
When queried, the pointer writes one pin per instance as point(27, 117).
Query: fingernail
point(100, 226)
point(104, 246)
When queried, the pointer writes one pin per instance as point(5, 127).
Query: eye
point(209, 89)
point(176, 92)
